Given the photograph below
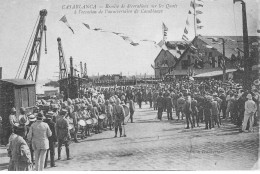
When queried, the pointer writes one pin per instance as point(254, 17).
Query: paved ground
point(163, 145)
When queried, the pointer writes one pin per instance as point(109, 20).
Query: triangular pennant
point(185, 30)
point(187, 22)
point(198, 12)
point(185, 38)
point(192, 4)
point(86, 25)
point(198, 21)
point(64, 19)
point(189, 12)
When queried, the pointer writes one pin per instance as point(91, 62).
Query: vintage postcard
point(129, 85)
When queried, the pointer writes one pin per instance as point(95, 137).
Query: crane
point(32, 68)
point(62, 63)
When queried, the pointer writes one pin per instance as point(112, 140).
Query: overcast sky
point(103, 52)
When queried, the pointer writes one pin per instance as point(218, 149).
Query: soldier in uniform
point(160, 105)
point(63, 133)
point(119, 115)
point(52, 139)
point(169, 106)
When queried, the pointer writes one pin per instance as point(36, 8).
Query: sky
point(107, 53)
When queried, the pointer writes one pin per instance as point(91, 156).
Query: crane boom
point(32, 68)
point(63, 73)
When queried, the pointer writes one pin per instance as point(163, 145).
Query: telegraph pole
point(247, 61)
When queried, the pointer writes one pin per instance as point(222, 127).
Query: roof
point(19, 82)
point(214, 73)
point(231, 43)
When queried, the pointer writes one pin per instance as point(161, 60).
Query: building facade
point(207, 57)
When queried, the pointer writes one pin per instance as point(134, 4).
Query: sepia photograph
point(129, 85)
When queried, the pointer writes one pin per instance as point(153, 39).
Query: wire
point(25, 53)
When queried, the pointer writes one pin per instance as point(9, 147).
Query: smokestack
point(0, 72)
point(71, 67)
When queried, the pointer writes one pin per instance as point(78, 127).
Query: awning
point(214, 73)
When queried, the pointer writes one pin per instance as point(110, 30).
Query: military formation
point(58, 122)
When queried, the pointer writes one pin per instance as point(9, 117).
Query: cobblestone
point(165, 145)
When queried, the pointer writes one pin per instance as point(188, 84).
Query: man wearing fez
point(63, 133)
point(52, 139)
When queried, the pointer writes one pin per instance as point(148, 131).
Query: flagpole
point(195, 30)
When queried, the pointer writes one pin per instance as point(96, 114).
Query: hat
point(40, 115)
point(22, 109)
point(249, 96)
point(63, 112)
point(32, 117)
point(13, 110)
point(257, 82)
point(215, 94)
point(49, 114)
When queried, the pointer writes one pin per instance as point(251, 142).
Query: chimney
point(71, 67)
point(1, 72)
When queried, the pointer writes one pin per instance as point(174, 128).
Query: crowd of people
point(56, 123)
point(34, 135)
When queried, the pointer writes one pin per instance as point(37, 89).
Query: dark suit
point(169, 106)
point(160, 105)
point(52, 140)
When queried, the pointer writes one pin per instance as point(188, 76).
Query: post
point(247, 61)
point(71, 67)
point(224, 60)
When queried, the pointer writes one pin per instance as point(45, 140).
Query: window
point(213, 62)
point(189, 60)
point(184, 64)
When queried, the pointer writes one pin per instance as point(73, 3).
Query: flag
point(199, 27)
point(187, 22)
point(185, 38)
point(185, 30)
point(189, 12)
point(86, 25)
point(192, 4)
point(64, 19)
point(198, 21)
point(198, 12)
point(199, 5)
point(164, 30)
point(97, 29)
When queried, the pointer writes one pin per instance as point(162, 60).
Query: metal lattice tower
point(85, 70)
point(63, 73)
point(32, 68)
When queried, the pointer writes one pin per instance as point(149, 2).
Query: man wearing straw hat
point(250, 109)
point(38, 135)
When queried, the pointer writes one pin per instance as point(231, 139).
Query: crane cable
point(26, 52)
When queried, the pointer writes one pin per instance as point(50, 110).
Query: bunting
point(64, 20)
point(198, 20)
